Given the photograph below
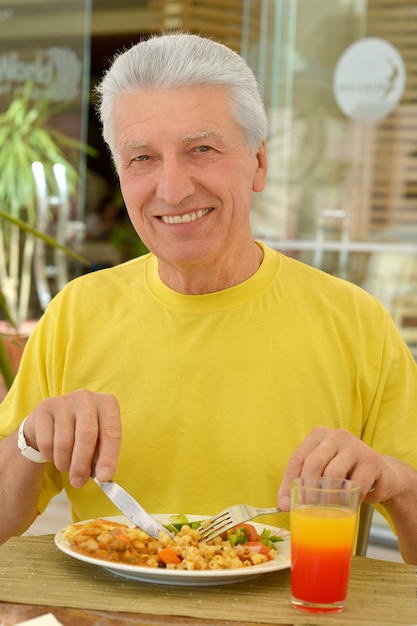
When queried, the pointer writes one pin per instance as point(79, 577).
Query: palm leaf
point(46, 238)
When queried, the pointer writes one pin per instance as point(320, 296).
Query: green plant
point(24, 139)
point(6, 369)
point(26, 136)
point(5, 364)
point(124, 237)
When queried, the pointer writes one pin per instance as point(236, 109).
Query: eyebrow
point(201, 135)
point(133, 145)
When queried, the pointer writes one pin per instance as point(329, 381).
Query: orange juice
point(322, 539)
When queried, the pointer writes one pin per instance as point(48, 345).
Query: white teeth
point(182, 219)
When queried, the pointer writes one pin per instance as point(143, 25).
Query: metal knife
point(132, 509)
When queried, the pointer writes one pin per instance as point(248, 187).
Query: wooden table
point(36, 578)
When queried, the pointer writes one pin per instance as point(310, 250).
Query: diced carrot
point(168, 555)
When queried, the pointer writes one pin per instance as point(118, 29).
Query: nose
point(175, 182)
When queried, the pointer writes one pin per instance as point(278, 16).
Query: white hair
point(183, 60)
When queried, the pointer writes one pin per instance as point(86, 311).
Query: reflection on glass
point(342, 192)
point(44, 81)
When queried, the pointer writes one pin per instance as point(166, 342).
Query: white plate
point(186, 577)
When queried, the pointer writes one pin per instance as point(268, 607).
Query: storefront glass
point(340, 84)
point(44, 93)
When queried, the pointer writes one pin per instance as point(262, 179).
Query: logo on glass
point(369, 80)
point(55, 73)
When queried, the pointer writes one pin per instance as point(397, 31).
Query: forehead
point(187, 111)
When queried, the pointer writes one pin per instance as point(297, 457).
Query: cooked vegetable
point(269, 539)
point(112, 541)
point(241, 534)
point(178, 521)
point(168, 555)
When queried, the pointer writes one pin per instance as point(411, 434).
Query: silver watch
point(27, 451)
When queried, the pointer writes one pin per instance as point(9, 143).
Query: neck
point(208, 277)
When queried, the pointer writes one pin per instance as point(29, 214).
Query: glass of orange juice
point(324, 514)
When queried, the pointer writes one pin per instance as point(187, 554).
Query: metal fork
point(227, 519)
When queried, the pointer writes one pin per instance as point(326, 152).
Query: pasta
point(119, 543)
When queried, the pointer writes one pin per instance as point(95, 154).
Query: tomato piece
point(251, 531)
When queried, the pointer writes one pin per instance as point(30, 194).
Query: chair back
point(365, 521)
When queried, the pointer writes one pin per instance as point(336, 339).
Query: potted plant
point(25, 138)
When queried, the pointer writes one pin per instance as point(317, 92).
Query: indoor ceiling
point(68, 18)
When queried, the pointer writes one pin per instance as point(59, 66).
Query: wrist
point(27, 451)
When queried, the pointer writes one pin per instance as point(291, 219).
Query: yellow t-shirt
point(217, 390)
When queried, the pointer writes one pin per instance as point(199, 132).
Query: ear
point(259, 177)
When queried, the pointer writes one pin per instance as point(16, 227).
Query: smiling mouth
point(186, 218)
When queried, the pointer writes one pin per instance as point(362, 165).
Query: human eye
point(141, 160)
point(204, 148)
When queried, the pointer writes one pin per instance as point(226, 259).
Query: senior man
point(214, 369)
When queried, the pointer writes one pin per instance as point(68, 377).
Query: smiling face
point(187, 178)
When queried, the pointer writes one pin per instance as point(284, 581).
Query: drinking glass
point(324, 516)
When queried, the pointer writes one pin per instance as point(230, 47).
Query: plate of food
point(116, 545)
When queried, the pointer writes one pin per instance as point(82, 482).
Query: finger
point(63, 435)
point(341, 454)
point(86, 434)
point(97, 440)
point(284, 493)
point(342, 464)
point(337, 454)
point(39, 432)
point(108, 449)
point(57, 424)
point(50, 425)
point(353, 460)
point(296, 464)
point(330, 452)
point(366, 476)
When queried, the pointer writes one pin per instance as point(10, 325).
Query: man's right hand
point(75, 431)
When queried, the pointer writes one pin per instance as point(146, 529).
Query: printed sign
point(56, 73)
point(369, 80)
